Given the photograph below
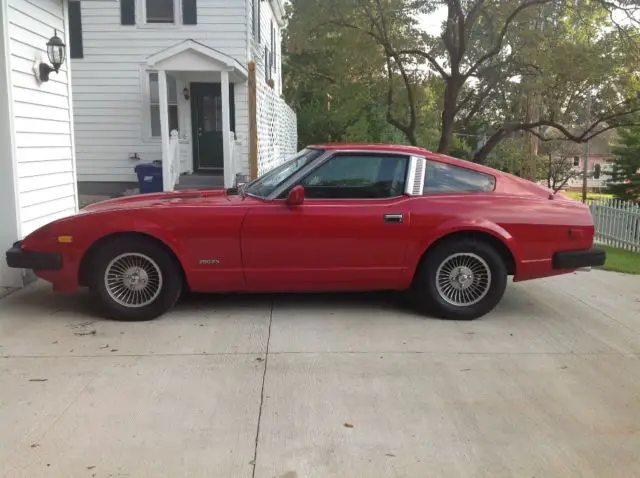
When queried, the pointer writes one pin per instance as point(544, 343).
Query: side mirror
point(296, 196)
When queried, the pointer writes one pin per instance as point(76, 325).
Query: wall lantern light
point(185, 93)
point(56, 51)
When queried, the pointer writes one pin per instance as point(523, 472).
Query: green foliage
point(337, 81)
point(625, 178)
point(366, 71)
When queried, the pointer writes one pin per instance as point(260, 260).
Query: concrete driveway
point(325, 386)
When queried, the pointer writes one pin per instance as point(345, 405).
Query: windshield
point(266, 184)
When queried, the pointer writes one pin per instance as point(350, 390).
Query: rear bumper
point(593, 257)
point(18, 258)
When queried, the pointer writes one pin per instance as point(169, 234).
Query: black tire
point(426, 295)
point(170, 282)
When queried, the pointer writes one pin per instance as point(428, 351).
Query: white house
point(37, 163)
point(210, 70)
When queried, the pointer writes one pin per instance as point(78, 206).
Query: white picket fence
point(617, 223)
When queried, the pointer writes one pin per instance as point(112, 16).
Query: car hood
point(177, 198)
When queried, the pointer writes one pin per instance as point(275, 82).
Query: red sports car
point(332, 218)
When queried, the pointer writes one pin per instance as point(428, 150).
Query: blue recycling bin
point(150, 177)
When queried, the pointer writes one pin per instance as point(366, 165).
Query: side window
point(154, 103)
point(446, 178)
point(350, 176)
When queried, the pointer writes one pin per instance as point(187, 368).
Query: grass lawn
point(619, 260)
point(577, 195)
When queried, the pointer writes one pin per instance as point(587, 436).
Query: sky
point(432, 23)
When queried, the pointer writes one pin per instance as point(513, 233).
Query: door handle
point(397, 218)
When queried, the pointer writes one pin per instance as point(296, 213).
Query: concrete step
point(200, 181)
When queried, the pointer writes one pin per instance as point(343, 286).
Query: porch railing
point(171, 168)
point(235, 149)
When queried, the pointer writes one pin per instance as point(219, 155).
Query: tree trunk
point(451, 93)
point(481, 156)
point(528, 170)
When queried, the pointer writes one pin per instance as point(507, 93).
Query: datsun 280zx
point(331, 218)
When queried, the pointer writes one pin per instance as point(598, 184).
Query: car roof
point(404, 149)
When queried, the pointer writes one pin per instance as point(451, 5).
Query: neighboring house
point(599, 164)
point(37, 165)
point(210, 70)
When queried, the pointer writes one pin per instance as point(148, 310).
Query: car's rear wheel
point(135, 279)
point(460, 279)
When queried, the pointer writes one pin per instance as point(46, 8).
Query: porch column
point(164, 130)
point(226, 129)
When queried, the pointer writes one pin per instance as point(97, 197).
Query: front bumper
point(593, 257)
point(18, 258)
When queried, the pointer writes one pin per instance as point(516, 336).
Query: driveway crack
point(264, 376)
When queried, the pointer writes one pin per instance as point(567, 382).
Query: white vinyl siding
point(43, 122)
point(265, 47)
point(111, 101)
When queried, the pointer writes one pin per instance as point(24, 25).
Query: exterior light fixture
point(185, 93)
point(57, 52)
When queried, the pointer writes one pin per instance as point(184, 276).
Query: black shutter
point(232, 109)
point(128, 12)
point(75, 30)
point(189, 12)
point(259, 24)
point(273, 43)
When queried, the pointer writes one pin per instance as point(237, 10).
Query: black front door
point(206, 119)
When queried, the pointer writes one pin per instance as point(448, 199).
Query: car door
point(350, 233)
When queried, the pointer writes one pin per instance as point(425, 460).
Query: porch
point(197, 89)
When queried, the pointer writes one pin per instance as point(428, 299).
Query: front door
point(351, 232)
point(206, 120)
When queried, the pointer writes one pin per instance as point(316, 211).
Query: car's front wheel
point(135, 279)
point(460, 279)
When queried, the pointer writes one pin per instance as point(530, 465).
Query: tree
point(625, 175)
point(557, 167)
point(338, 82)
point(492, 63)
point(585, 68)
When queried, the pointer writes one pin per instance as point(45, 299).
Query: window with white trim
point(154, 104)
point(160, 11)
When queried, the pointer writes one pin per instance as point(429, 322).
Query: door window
point(211, 114)
point(357, 176)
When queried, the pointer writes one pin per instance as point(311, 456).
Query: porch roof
point(190, 55)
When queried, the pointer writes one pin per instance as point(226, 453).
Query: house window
point(160, 11)
point(576, 160)
point(154, 102)
point(446, 178)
